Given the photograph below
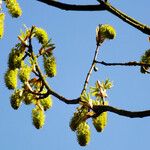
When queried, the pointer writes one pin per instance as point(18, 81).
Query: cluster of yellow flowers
point(21, 65)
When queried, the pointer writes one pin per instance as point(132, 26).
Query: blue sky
point(74, 36)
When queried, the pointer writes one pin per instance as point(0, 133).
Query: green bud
point(24, 73)
point(13, 8)
point(78, 118)
point(38, 117)
point(83, 134)
point(103, 32)
point(50, 65)
point(2, 17)
point(16, 99)
point(41, 35)
point(11, 78)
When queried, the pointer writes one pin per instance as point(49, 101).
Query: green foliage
point(11, 78)
point(83, 133)
point(38, 117)
point(13, 8)
point(145, 59)
point(2, 18)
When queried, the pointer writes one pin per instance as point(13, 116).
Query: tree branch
point(145, 29)
point(72, 7)
point(100, 7)
point(132, 63)
point(132, 114)
point(50, 91)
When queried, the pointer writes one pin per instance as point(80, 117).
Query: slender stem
point(132, 63)
point(91, 69)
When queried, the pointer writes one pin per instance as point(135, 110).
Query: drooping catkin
point(13, 8)
point(83, 134)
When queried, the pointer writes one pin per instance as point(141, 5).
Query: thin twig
point(91, 69)
point(132, 63)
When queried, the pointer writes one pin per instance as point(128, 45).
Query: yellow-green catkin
point(13, 8)
point(50, 66)
point(38, 117)
point(11, 78)
point(78, 118)
point(83, 134)
point(46, 103)
point(41, 35)
point(28, 98)
point(103, 32)
point(2, 18)
point(16, 99)
point(24, 73)
point(100, 122)
point(15, 58)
